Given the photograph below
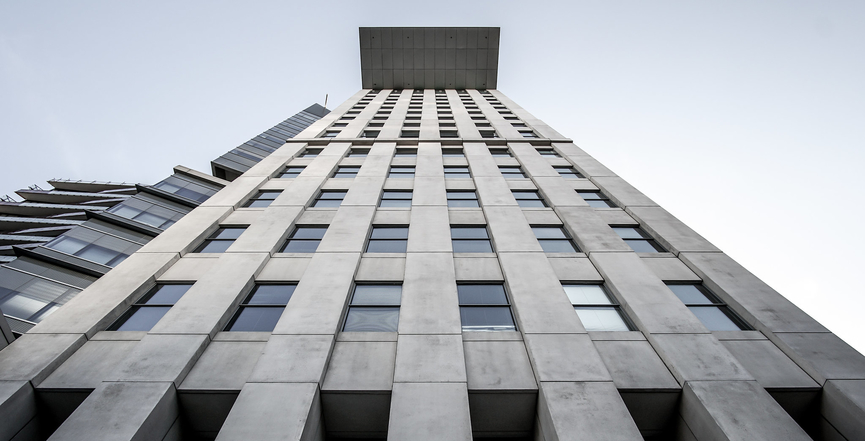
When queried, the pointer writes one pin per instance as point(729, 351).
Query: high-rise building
point(429, 262)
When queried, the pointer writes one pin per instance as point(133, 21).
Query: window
point(358, 153)
point(388, 240)
point(488, 134)
point(329, 199)
point(262, 199)
point(638, 240)
point(457, 171)
point(549, 153)
point(452, 153)
point(568, 172)
point(373, 308)
point(261, 309)
point(395, 198)
point(511, 172)
point(596, 308)
point(401, 172)
point(370, 134)
point(529, 199)
point(309, 153)
point(713, 312)
point(304, 239)
point(596, 199)
point(144, 313)
point(448, 134)
point(554, 239)
point(291, 172)
point(462, 199)
point(501, 153)
point(330, 134)
point(485, 308)
point(95, 245)
point(409, 134)
point(346, 171)
point(483, 124)
point(220, 240)
point(405, 153)
point(470, 239)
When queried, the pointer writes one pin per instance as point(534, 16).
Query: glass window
point(310, 153)
point(449, 134)
point(28, 297)
point(568, 172)
point(262, 199)
point(549, 153)
point(330, 134)
point(94, 245)
point(596, 199)
point(712, 311)
point(373, 308)
point(291, 172)
point(452, 153)
point(358, 153)
point(304, 239)
point(144, 313)
point(220, 240)
point(484, 307)
point(388, 240)
point(529, 199)
point(511, 172)
point(261, 309)
point(457, 171)
point(554, 239)
point(401, 171)
point(409, 134)
point(638, 240)
point(462, 198)
point(370, 134)
point(395, 198)
point(470, 239)
point(500, 153)
point(488, 134)
point(528, 133)
point(597, 309)
point(185, 187)
point(346, 171)
point(329, 198)
point(405, 153)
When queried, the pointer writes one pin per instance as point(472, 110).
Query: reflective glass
point(714, 319)
point(690, 294)
point(258, 203)
point(67, 244)
point(461, 203)
point(457, 172)
point(98, 254)
point(256, 319)
point(346, 172)
point(529, 203)
point(227, 233)
point(391, 203)
point(588, 195)
point(586, 294)
point(462, 195)
point(642, 246)
point(628, 232)
point(549, 233)
point(215, 246)
point(327, 203)
point(472, 246)
point(21, 306)
point(301, 246)
point(401, 172)
point(482, 295)
point(387, 246)
point(309, 233)
point(487, 318)
point(291, 172)
point(557, 246)
point(601, 319)
point(372, 319)
point(389, 233)
point(598, 203)
point(142, 318)
point(469, 233)
point(271, 295)
point(167, 294)
point(377, 295)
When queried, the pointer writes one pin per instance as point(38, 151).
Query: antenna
point(325, 101)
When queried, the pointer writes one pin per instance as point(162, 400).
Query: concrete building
point(430, 262)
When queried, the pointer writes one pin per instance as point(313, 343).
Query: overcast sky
point(744, 119)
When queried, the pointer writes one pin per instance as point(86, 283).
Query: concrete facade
point(641, 329)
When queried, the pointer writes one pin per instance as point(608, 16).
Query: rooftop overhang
point(429, 58)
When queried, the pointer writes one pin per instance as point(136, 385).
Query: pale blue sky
point(744, 119)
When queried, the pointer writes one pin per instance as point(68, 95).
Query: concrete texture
point(430, 411)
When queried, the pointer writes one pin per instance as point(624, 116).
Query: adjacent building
point(428, 261)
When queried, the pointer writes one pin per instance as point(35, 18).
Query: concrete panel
point(392, 217)
point(348, 230)
point(283, 268)
point(429, 411)
point(671, 269)
point(541, 216)
point(17, 405)
point(188, 232)
point(206, 306)
point(696, 357)
point(32, 357)
point(590, 231)
point(89, 365)
point(318, 301)
point(267, 233)
point(467, 217)
point(374, 166)
point(264, 411)
point(161, 358)
point(493, 191)
point(223, 366)
point(477, 268)
point(843, 405)
point(429, 295)
point(316, 216)
point(532, 161)
point(361, 366)
point(577, 411)
point(565, 357)
point(429, 230)
point(482, 164)
point(509, 230)
point(122, 411)
point(635, 365)
point(429, 191)
point(559, 192)
point(621, 192)
point(189, 268)
point(429, 165)
point(498, 365)
point(672, 233)
point(429, 358)
point(823, 356)
point(106, 299)
point(382, 269)
point(293, 359)
point(234, 193)
point(364, 191)
point(756, 302)
point(575, 269)
point(301, 190)
point(647, 300)
point(539, 302)
point(769, 365)
point(736, 410)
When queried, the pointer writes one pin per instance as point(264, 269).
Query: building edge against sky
point(430, 262)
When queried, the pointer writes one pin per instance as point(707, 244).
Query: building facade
point(430, 262)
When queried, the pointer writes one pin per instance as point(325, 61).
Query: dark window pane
point(587, 295)
point(98, 254)
point(369, 319)
point(228, 233)
point(386, 246)
point(643, 246)
point(557, 246)
point(472, 246)
point(600, 203)
point(482, 295)
point(258, 203)
point(486, 318)
point(714, 318)
point(327, 203)
point(390, 194)
point(377, 295)
point(336, 195)
point(167, 294)
point(588, 195)
point(690, 294)
point(143, 318)
point(469, 233)
point(601, 319)
point(390, 203)
point(628, 232)
point(309, 233)
point(549, 232)
point(301, 246)
point(463, 203)
point(256, 319)
point(215, 246)
point(271, 295)
point(461, 195)
point(389, 233)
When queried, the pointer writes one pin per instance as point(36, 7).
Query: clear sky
point(744, 119)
